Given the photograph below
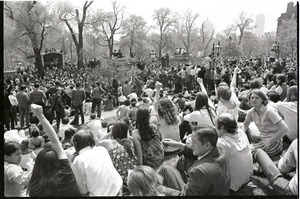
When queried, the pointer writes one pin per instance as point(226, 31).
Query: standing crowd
point(192, 130)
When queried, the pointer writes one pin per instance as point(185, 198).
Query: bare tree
point(205, 36)
point(134, 33)
point(67, 15)
point(186, 29)
point(165, 19)
point(32, 20)
point(243, 23)
point(107, 25)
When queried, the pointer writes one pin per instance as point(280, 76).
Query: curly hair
point(167, 110)
point(143, 125)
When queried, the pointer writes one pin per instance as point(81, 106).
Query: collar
point(261, 110)
point(85, 149)
point(202, 156)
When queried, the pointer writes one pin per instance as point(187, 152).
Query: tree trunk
point(38, 62)
point(80, 47)
point(160, 46)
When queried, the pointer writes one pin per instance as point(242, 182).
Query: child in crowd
point(28, 156)
point(15, 179)
point(65, 125)
point(67, 111)
point(103, 130)
point(87, 107)
point(36, 141)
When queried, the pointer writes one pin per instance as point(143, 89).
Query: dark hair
point(255, 84)
point(22, 87)
point(206, 134)
point(69, 132)
point(274, 79)
point(281, 79)
point(201, 102)
point(35, 132)
point(126, 102)
point(104, 123)
point(78, 84)
point(273, 96)
point(93, 116)
point(11, 147)
point(292, 82)
point(119, 132)
point(44, 181)
point(82, 139)
point(65, 120)
point(142, 123)
point(228, 122)
point(167, 110)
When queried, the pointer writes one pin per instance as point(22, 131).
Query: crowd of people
point(220, 120)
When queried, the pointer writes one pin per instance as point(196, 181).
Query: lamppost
point(275, 47)
point(152, 55)
point(218, 49)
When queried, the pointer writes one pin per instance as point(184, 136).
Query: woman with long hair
point(203, 114)
point(169, 121)
point(93, 168)
point(52, 174)
point(121, 149)
point(148, 140)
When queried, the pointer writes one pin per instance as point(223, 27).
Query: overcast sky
point(220, 12)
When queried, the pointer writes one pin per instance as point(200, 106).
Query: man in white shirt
point(95, 127)
point(236, 145)
point(13, 109)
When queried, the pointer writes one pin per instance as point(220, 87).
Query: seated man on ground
point(210, 173)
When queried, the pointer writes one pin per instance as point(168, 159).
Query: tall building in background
point(291, 13)
point(208, 27)
point(260, 24)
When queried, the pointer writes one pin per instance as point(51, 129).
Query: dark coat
point(209, 175)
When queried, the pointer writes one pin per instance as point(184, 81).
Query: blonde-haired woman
point(145, 181)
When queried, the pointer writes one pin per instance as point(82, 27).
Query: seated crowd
point(215, 138)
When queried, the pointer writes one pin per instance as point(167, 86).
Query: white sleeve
point(78, 171)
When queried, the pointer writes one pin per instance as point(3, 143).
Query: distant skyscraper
point(208, 27)
point(260, 24)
